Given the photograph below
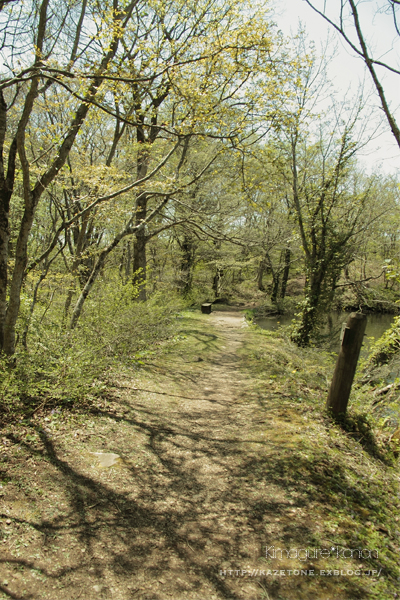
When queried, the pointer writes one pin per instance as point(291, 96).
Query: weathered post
point(343, 376)
point(206, 308)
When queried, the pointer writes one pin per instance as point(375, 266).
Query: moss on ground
point(342, 470)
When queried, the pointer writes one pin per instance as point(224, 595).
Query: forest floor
point(226, 456)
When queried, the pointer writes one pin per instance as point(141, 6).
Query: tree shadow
point(358, 427)
point(177, 519)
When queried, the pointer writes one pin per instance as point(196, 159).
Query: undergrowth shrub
point(387, 346)
point(68, 367)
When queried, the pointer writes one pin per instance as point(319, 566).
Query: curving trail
point(202, 488)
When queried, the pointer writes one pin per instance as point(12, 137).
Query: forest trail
point(211, 474)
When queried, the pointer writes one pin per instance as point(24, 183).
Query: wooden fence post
point(343, 376)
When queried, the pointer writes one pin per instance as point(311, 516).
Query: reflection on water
point(330, 333)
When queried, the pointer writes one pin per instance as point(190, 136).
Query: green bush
point(387, 346)
point(64, 367)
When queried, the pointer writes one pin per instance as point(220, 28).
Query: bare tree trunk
point(275, 287)
point(4, 241)
point(140, 264)
point(31, 310)
point(285, 274)
point(139, 245)
point(21, 260)
point(31, 198)
point(86, 290)
point(216, 286)
point(145, 141)
point(6, 190)
point(260, 275)
point(68, 301)
point(128, 261)
point(275, 278)
point(187, 262)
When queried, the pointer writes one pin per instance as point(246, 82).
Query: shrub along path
point(225, 452)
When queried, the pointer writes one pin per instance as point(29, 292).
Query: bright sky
point(348, 71)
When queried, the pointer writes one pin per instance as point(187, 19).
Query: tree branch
point(361, 280)
point(369, 61)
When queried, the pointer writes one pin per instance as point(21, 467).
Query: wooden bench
point(206, 308)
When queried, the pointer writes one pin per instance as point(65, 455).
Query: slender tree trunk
point(275, 278)
point(86, 290)
point(260, 275)
point(275, 287)
point(330, 323)
point(31, 310)
point(128, 261)
point(217, 282)
point(67, 304)
point(285, 274)
point(187, 263)
point(140, 264)
point(6, 190)
point(370, 64)
point(21, 260)
point(125, 265)
point(139, 245)
point(4, 241)
point(45, 270)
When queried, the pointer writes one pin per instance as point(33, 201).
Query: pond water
point(376, 326)
point(330, 340)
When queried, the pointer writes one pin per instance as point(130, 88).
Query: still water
point(376, 326)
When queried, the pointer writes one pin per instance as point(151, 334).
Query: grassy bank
point(345, 473)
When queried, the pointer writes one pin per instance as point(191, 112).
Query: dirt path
point(202, 488)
